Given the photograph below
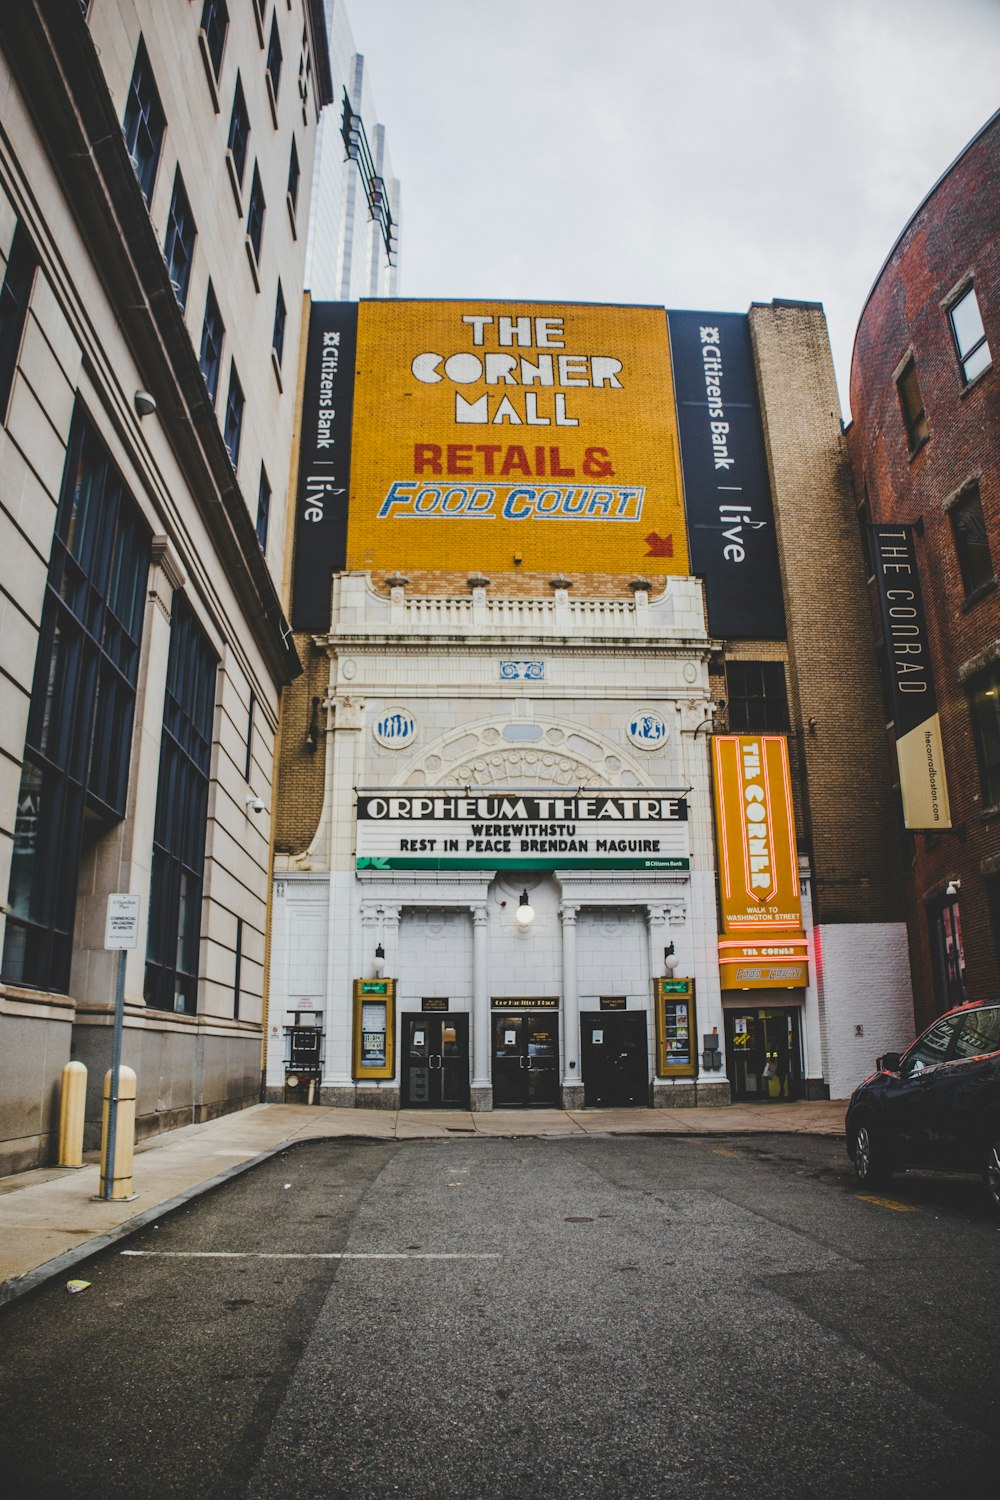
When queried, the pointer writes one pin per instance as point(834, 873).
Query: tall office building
point(354, 217)
point(154, 171)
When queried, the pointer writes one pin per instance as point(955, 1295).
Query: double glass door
point(763, 1053)
point(436, 1061)
point(525, 1058)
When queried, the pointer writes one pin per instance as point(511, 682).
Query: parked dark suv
point(936, 1106)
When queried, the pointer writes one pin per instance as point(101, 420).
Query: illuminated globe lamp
point(670, 959)
point(379, 964)
point(525, 914)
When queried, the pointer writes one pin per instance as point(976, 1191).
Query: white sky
point(687, 153)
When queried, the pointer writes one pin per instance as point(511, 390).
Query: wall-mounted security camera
point(144, 403)
point(255, 805)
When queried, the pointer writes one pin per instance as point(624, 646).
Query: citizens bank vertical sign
point(726, 490)
point(919, 749)
point(763, 945)
point(324, 461)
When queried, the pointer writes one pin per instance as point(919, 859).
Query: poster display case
point(676, 1028)
point(374, 1051)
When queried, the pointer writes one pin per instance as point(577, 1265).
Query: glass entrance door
point(763, 1056)
point(436, 1061)
point(525, 1059)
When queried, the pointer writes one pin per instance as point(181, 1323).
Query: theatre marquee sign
point(448, 830)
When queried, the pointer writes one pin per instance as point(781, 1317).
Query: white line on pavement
point(311, 1255)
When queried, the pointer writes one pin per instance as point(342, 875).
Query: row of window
point(972, 352)
point(144, 126)
point(74, 782)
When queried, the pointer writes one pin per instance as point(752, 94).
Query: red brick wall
point(952, 236)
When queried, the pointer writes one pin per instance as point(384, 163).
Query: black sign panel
point(906, 646)
point(324, 461)
point(727, 496)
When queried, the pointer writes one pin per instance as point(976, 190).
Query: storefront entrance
point(763, 1054)
point(615, 1058)
point(525, 1058)
point(435, 1061)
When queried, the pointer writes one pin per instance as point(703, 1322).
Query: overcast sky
point(688, 153)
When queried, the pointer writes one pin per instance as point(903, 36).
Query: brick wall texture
point(835, 703)
point(951, 242)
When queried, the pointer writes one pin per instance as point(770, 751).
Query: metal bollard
point(72, 1105)
point(121, 1167)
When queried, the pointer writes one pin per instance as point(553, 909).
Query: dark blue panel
point(726, 491)
point(324, 461)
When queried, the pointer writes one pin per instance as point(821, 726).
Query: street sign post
point(121, 933)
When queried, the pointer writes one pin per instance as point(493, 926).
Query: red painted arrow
point(659, 546)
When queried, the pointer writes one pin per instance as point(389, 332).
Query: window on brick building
point(911, 404)
point(969, 335)
point(972, 543)
point(947, 953)
point(758, 700)
point(984, 708)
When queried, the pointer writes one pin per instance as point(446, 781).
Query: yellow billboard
point(501, 435)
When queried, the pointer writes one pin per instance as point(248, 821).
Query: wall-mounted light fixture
point(525, 912)
point(379, 961)
point(670, 959)
point(953, 887)
point(144, 403)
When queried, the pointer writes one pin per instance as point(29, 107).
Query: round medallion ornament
point(395, 729)
point(647, 730)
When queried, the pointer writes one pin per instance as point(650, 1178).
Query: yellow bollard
point(121, 1175)
point(72, 1103)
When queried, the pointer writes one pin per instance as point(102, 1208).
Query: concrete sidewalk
point(50, 1221)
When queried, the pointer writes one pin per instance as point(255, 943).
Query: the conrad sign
point(919, 749)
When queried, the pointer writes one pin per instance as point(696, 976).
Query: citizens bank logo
point(395, 729)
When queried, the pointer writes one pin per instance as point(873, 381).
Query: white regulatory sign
point(122, 928)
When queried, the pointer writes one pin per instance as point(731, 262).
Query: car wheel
point(991, 1174)
point(870, 1164)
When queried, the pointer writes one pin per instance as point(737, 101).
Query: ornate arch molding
point(567, 754)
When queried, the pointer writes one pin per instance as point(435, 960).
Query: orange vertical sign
point(758, 863)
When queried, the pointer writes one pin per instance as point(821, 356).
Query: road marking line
point(720, 1151)
point(898, 1208)
point(307, 1255)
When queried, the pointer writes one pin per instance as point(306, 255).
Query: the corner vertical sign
point(919, 749)
point(324, 461)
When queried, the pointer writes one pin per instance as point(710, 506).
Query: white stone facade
point(452, 932)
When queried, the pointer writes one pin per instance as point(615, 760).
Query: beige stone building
point(154, 172)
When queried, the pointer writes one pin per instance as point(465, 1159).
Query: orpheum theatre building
point(583, 797)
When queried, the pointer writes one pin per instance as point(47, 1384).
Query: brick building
point(925, 451)
point(575, 667)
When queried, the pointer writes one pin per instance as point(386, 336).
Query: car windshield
point(979, 1033)
point(932, 1047)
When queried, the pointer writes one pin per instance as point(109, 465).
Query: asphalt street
point(475, 1319)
